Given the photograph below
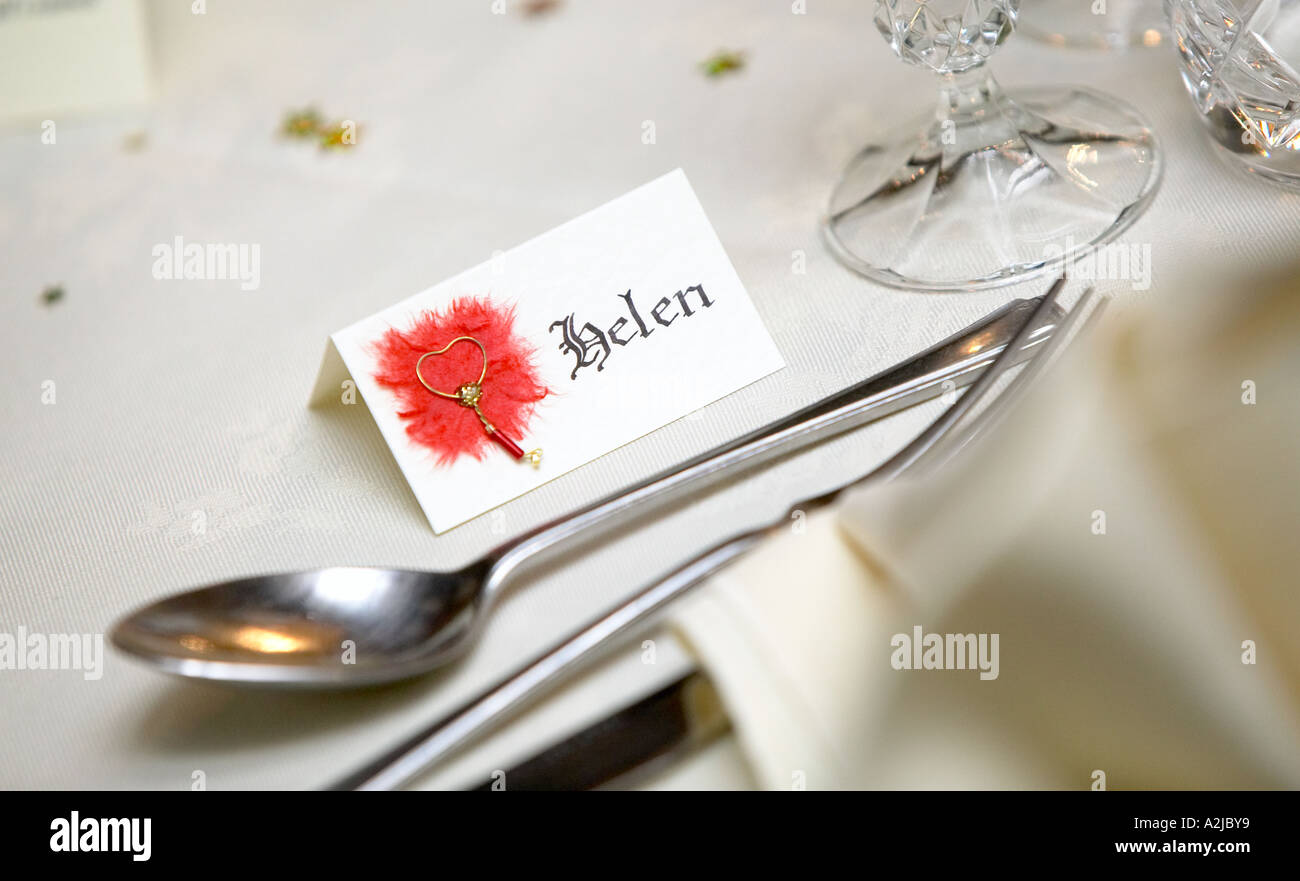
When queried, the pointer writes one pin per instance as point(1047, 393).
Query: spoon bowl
point(330, 627)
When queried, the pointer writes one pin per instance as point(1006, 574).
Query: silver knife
point(677, 719)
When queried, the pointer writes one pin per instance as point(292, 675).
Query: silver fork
point(421, 751)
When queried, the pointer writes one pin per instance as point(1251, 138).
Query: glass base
point(994, 190)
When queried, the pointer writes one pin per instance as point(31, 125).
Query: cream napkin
point(1129, 536)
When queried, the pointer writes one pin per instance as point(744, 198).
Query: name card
point(630, 317)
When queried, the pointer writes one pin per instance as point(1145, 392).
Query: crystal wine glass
point(992, 189)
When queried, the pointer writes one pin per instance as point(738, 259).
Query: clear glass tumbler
point(1239, 63)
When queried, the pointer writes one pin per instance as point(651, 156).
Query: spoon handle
point(944, 367)
point(408, 759)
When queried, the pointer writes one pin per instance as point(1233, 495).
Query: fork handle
point(945, 366)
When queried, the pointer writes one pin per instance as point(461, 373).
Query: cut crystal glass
point(1239, 62)
point(991, 189)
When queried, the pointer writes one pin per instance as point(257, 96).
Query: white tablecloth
point(478, 132)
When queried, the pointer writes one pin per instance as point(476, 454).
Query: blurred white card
point(646, 269)
point(71, 56)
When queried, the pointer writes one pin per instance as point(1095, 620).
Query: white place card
point(637, 317)
point(60, 57)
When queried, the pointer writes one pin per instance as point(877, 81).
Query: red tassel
point(511, 390)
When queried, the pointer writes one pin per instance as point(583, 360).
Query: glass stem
point(966, 97)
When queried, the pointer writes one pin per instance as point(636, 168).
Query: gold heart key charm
point(470, 393)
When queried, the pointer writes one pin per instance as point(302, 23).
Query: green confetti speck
point(723, 62)
point(305, 123)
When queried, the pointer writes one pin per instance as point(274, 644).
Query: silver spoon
point(344, 627)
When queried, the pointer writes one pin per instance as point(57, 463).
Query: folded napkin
point(1127, 535)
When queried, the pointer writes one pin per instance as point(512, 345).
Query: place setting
point(456, 384)
point(974, 478)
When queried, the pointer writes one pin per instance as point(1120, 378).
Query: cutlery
point(344, 627)
point(683, 715)
point(417, 753)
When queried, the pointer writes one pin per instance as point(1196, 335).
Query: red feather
point(511, 389)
